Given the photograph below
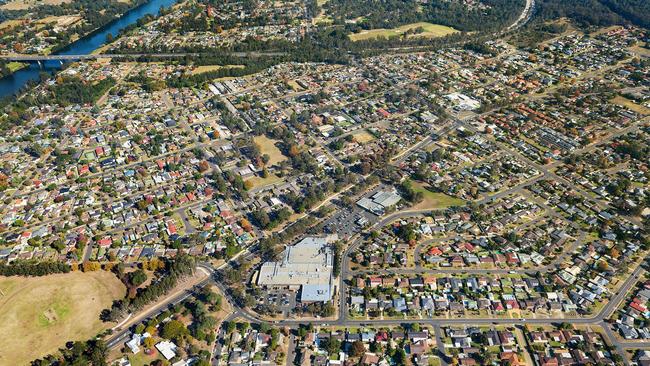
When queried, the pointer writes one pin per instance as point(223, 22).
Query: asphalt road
point(122, 335)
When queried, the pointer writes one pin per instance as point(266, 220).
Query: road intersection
point(344, 319)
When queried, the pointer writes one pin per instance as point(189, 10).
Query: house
point(369, 359)
point(510, 358)
point(167, 349)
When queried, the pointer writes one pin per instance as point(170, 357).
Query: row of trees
point(269, 246)
point(33, 268)
point(92, 352)
point(181, 267)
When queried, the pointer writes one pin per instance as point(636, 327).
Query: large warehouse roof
point(307, 263)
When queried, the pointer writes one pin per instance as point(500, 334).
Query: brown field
point(294, 85)
point(207, 68)
point(10, 23)
point(631, 105)
point(61, 21)
point(38, 315)
point(641, 49)
point(26, 4)
point(267, 146)
point(363, 137)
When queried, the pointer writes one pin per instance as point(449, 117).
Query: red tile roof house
point(381, 336)
point(105, 242)
point(498, 306)
point(547, 361)
point(25, 236)
point(511, 258)
point(468, 361)
point(637, 305)
point(435, 251)
point(538, 337)
point(171, 228)
point(510, 358)
point(388, 282)
point(512, 304)
point(375, 281)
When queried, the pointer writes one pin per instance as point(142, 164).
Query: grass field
point(294, 85)
point(430, 30)
point(42, 313)
point(267, 146)
point(207, 68)
point(259, 181)
point(15, 66)
point(10, 23)
point(642, 49)
point(434, 200)
point(631, 105)
point(141, 359)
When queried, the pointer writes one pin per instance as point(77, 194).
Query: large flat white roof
point(309, 262)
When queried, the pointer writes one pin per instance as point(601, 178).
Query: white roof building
point(379, 201)
point(167, 349)
point(306, 265)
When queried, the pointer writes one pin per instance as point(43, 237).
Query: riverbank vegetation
point(49, 26)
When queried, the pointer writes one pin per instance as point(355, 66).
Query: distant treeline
point(393, 13)
point(597, 12)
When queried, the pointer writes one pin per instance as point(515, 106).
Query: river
point(12, 84)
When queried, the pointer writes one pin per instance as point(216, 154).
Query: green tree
point(358, 349)
point(137, 277)
point(173, 329)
